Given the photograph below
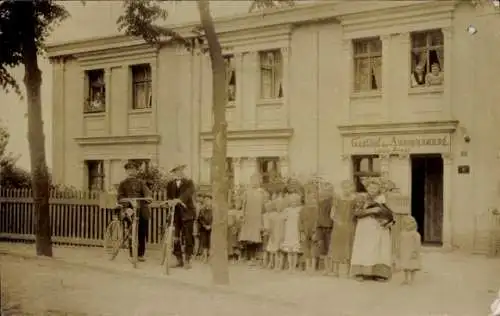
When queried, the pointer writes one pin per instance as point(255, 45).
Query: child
point(198, 206)
point(275, 229)
point(269, 208)
point(410, 249)
point(205, 226)
point(307, 227)
point(233, 229)
point(343, 232)
point(291, 241)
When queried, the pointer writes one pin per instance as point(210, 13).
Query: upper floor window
point(427, 58)
point(96, 91)
point(271, 74)
point(230, 78)
point(367, 64)
point(142, 97)
point(95, 173)
point(365, 166)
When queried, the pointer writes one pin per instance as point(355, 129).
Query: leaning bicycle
point(123, 229)
point(167, 242)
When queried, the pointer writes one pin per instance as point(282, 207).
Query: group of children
point(292, 238)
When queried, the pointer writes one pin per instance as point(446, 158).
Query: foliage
point(156, 179)
point(11, 176)
point(13, 28)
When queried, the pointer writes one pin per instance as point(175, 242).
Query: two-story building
point(344, 89)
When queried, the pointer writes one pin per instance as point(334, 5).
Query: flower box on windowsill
point(270, 102)
point(426, 90)
point(139, 111)
point(231, 104)
point(366, 94)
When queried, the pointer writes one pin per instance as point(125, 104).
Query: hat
point(130, 164)
point(178, 168)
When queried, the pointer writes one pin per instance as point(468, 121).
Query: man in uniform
point(183, 189)
point(133, 187)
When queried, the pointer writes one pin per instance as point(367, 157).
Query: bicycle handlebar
point(172, 203)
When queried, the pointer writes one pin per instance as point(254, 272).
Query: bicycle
point(167, 243)
point(124, 228)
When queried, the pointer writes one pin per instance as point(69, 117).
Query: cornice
point(402, 13)
point(250, 26)
point(141, 51)
point(118, 140)
point(252, 134)
point(399, 128)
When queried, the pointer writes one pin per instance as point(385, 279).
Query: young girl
point(307, 227)
point(291, 241)
point(205, 227)
point(410, 249)
point(275, 230)
point(269, 208)
point(342, 235)
point(233, 229)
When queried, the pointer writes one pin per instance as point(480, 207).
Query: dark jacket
point(205, 218)
point(325, 207)
point(185, 193)
point(133, 187)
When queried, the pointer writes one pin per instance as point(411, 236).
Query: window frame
point(100, 176)
point(414, 51)
point(92, 84)
point(229, 63)
point(276, 73)
point(357, 173)
point(267, 176)
point(371, 55)
point(146, 82)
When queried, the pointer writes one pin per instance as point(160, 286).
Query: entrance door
point(427, 196)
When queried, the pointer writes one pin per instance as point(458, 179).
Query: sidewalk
point(450, 284)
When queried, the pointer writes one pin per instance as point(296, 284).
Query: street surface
point(82, 281)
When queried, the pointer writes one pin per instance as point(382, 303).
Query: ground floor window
point(365, 166)
point(269, 170)
point(95, 175)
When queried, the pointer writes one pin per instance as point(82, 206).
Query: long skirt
point(372, 250)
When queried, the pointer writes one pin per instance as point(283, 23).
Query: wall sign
point(424, 143)
point(465, 169)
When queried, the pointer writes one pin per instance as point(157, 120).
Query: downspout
point(317, 102)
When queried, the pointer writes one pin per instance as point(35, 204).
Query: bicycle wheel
point(163, 245)
point(168, 245)
point(135, 242)
point(113, 238)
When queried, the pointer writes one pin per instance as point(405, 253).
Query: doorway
point(427, 197)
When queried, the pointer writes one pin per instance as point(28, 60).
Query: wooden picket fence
point(77, 217)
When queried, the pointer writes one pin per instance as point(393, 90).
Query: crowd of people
point(312, 229)
point(299, 227)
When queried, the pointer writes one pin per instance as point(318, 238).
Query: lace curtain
point(376, 72)
point(278, 75)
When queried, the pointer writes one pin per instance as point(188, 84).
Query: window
point(96, 91)
point(271, 75)
point(268, 169)
point(427, 58)
point(142, 96)
point(95, 171)
point(365, 166)
point(230, 172)
point(367, 64)
point(230, 78)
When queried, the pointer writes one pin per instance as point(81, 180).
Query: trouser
point(142, 233)
point(184, 236)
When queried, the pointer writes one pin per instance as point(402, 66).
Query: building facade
point(342, 89)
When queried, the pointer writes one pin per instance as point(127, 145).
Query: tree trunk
point(219, 257)
point(36, 138)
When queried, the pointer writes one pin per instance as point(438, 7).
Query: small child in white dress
point(291, 240)
point(410, 249)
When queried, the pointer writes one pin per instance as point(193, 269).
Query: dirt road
point(451, 284)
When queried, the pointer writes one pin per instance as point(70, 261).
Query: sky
point(92, 19)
